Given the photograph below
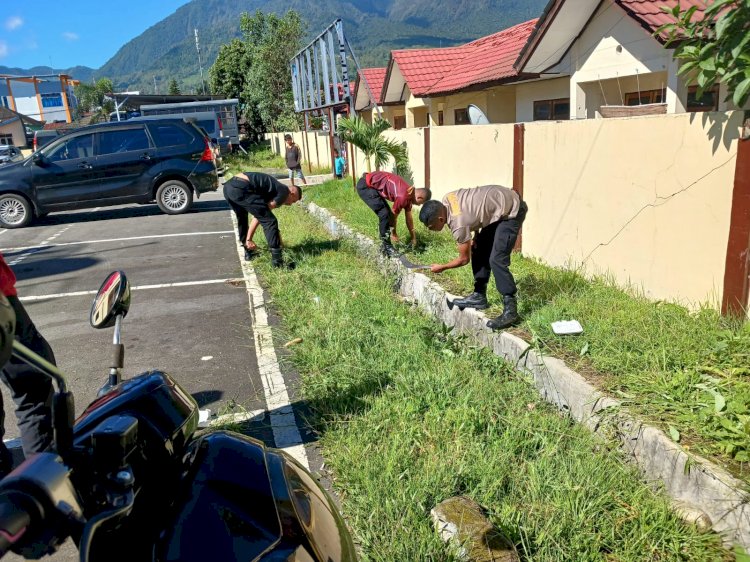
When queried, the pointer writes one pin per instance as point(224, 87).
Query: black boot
point(474, 300)
point(509, 317)
point(277, 259)
point(249, 254)
point(389, 251)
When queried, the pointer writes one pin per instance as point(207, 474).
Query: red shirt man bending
point(378, 187)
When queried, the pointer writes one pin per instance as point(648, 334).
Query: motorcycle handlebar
point(15, 519)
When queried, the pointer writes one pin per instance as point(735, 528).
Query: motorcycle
point(134, 479)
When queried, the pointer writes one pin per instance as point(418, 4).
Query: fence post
point(427, 157)
point(737, 269)
point(519, 135)
point(306, 143)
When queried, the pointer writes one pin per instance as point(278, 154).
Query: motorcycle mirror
point(113, 299)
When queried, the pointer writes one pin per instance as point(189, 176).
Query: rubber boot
point(277, 259)
point(509, 317)
point(474, 300)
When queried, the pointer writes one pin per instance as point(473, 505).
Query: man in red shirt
point(31, 390)
point(378, 187)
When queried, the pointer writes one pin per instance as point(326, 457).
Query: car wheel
point(15, 211)
point(174, 197)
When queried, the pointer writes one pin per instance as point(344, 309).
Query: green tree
point(370, 140)
point(174, 88)
point(228, 75)
point(715, 47)
point(92, 98)
point(272, 41)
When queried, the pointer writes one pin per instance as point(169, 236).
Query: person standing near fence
point(339, 163)
point(293, 157)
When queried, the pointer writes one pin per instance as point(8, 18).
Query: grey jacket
point(293, 157)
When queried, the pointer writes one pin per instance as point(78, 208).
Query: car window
point(166, 134)
point(127, 140)
point(71, 149)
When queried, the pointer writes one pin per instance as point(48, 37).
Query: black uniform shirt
point(268, 187)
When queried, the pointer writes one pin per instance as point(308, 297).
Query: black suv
point(166, 160)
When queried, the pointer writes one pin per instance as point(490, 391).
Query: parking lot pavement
point(189, 314)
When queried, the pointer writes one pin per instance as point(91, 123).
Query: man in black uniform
point(259, 194)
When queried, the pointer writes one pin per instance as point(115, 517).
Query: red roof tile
point(421, 68)
point(651, 14)
point(488, 59)
point(375, 78)
point(448, 69)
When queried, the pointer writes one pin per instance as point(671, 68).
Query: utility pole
point(155, 90)
point(200, 63)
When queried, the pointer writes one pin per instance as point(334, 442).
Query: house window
point(399, 122)
point(52, 100)
point(6, 139)
point(461, 116)
point(642, 98)
point(552, 110)
point(708, 102)
point(440, 117)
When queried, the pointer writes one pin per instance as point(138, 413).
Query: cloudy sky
point(88, 33)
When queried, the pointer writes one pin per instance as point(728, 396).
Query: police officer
point(259, 194)
point(494, 215)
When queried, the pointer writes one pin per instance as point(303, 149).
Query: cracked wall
point(645, 200)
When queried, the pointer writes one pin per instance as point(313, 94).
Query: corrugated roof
point(6, 114)
point(651, 14)
point(488, 59)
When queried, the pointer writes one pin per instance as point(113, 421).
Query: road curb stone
point(694, 483)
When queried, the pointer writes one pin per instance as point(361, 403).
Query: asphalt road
point(200, 331)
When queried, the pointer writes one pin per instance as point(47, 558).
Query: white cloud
point(13, 22)
point(70, 36)
point(3, 49)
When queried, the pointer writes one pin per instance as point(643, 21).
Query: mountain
point(373, 27)
point(166, 50)
point(82, 73)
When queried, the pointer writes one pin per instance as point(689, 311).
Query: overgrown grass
point(260, 158)
point(687, 372)
point(410, 415)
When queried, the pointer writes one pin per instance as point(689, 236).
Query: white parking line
point(104, 240)
point(286, 435)
point(32, 298)
point(43, 244)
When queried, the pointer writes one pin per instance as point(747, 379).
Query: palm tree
point(368, 138)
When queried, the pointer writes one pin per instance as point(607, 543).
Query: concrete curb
point(689, 479)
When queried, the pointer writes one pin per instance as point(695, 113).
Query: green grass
point(260, 158)
point(688, 373)
point(409, 416)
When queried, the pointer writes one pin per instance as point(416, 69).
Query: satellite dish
point(477, 116)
